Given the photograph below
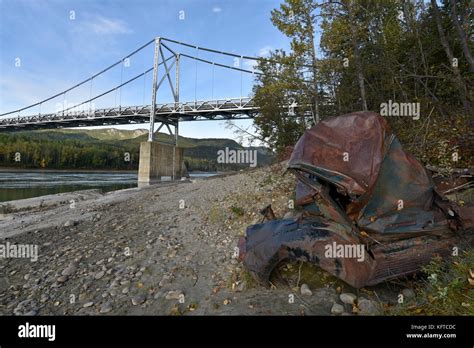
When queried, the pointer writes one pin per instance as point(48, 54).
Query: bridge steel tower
point(160, 158)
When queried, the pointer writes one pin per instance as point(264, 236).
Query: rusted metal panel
point(360, 190)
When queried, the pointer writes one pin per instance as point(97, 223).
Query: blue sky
point(46, 48)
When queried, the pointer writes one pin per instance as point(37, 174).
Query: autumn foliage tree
point(369, 52)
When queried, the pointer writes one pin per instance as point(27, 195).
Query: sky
point(49, 45)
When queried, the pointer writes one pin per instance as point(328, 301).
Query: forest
point(95, 149)
point(373, 54)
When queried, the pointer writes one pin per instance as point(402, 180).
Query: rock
point(305, 290)
point(62, 279)
point(88, 304)
point(241, 287)
point(137, 300)
point(4, 284)
point(408, 293)
point(173, 295)
point(69, 270)
point(167, 278)
point(337, 309)
point(99, 275)
point(106, 307)
point(125, 290)
point(114, 284)
point(70, 223)
point(367, 307)
point(289, 215)
point(347, 298)
point(31, 312)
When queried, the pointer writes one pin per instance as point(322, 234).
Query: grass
point(445, 289)
point(237, 210)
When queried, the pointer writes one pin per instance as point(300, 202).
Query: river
point(20, 184)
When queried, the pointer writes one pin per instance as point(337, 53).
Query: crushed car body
point(359, 192)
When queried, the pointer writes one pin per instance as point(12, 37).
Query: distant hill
point(105, 148)
point(107, 133)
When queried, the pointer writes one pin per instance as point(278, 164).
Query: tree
point(278, 87)
point(450, 55)
point(462, 35)
point(296, 19)
point(371, 52)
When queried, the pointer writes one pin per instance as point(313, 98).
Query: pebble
point(137, 300)
point(305, 290)
point(347, 298)
point(99, 275)
point(70, 223)
point(69, 270)
point(105, 308)
point(367, 307)
point(337, 309)
point(241, 287)
point(165, 280)
point(44, 298)
point(88, 304)
point(173, 295)
point(62, 279)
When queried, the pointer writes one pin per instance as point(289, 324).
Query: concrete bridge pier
point(156, 161)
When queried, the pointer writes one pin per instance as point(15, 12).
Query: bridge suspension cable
point(116, 87)
point(121, 61)
point(232, 54)
point(110, 90)
point(82, 82)
point(219, 64)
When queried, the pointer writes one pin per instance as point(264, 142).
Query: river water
point(20, 184)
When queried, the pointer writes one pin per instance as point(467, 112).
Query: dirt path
point(157, 251)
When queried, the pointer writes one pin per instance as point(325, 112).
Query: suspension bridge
point(241, 107)
point(156, 159)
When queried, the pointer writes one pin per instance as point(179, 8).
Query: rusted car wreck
point(359, 192)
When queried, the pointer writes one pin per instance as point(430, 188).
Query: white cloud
point(249, 64)
point(265, 51)
point(216, 9)
point(262, 52)
point(106, 26)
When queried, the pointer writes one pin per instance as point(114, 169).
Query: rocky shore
point(162, 250)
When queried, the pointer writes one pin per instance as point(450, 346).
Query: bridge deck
point(222, 109)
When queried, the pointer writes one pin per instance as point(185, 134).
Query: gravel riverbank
point(160, 250)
